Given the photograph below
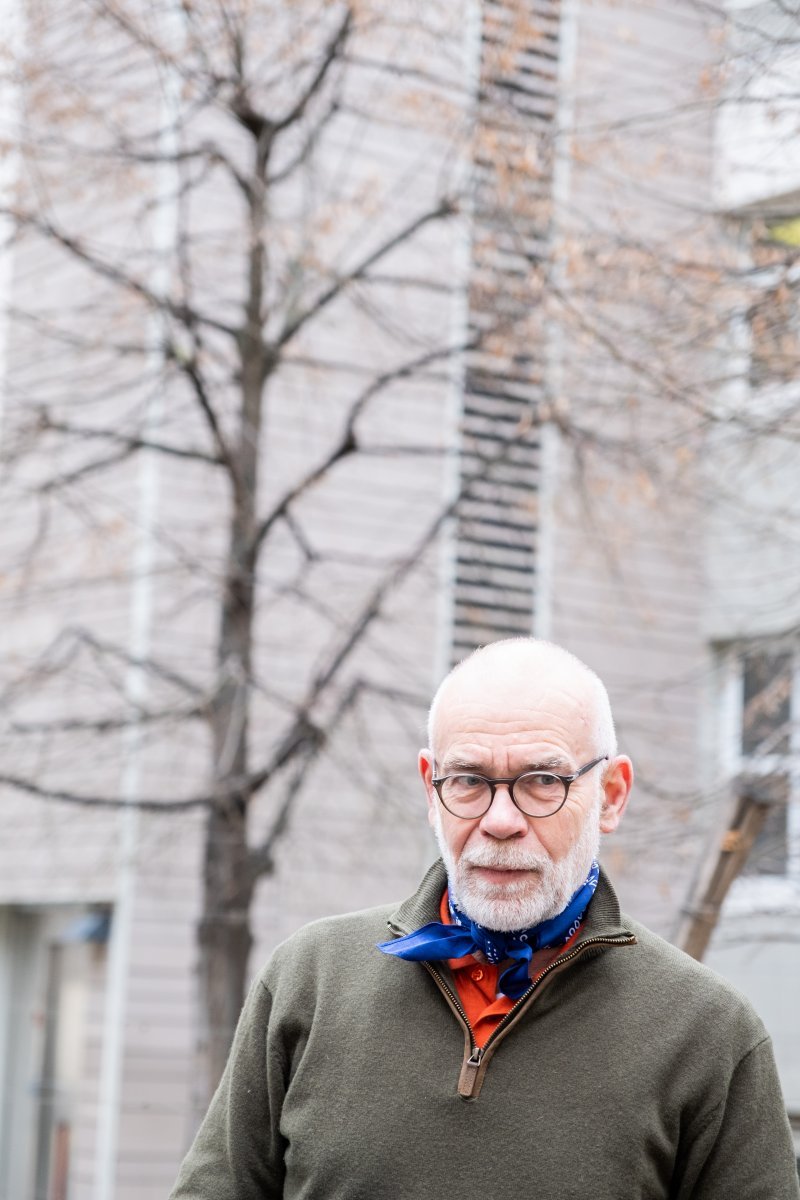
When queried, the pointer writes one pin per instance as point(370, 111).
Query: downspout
point(110, 1096)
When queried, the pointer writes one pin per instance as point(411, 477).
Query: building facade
point(567, 378)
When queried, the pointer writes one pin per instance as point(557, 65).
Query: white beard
point(528, 901)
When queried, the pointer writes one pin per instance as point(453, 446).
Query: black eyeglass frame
point(566, 780)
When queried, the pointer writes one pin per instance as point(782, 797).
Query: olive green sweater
point(629, 1072)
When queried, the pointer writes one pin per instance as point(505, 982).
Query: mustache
point(506, 860)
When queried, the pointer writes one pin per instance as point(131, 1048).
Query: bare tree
point(193, 172)
point(193, 229)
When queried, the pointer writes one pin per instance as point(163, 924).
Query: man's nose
point(503, 819)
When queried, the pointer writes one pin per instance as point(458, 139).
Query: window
point(757, 150)
point(774, 315)
point(47, 960)
point(764, 679)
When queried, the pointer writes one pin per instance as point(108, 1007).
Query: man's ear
point(425, 765)
point(617, 784)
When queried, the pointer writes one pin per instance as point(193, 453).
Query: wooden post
point(756, 795)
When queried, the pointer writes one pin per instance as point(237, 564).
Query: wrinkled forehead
point(517, 703)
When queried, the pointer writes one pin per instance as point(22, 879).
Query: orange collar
point(476, 982)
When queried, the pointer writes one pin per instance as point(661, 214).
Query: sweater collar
point(603, 917)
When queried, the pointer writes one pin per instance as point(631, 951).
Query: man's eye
point(462, 784)
point(542, 779)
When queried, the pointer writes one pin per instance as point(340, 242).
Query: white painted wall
point(767, 971)
point(757, 154)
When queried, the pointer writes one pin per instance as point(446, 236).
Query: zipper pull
point(468, 1079)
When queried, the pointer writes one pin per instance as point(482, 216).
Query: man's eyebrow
point(474, 768)
point(550, 764)
point(462, 764)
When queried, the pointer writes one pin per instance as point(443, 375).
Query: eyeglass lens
point(537, 794)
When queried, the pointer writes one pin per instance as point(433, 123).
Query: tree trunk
point(224, 930)
point(224, 944)
point(228, 882)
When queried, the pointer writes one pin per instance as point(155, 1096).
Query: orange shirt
point(476, 983)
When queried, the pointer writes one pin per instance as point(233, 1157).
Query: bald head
point(527, 672)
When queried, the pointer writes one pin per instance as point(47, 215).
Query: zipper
point(476, 1058)
point(472, 1052)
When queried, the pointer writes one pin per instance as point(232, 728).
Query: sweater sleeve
point(238, 1151)
point(744, 1145)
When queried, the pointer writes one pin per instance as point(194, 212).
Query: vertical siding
point(627, 586)
point(626, 581)
point(357, 834)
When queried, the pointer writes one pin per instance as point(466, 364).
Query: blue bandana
point(437, 941)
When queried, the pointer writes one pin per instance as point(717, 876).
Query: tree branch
point(302, 734)
point(181, 312)
point(305, 149)
point(304, 737)
point(91, 468)
point(129, 442)
point(329, 56)
point(76, 636)
point(106, 724)
point(30, 788)
point(347, 443)
point(261, 859)
point(445, 209)
point(191, 368)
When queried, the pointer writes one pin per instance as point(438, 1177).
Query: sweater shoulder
point(665, 971)
point(325, 945)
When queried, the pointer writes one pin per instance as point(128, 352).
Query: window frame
point(767, 277)
point(763, 891)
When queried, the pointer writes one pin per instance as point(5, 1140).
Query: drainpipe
point(136, 683)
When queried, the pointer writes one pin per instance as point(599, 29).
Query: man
point(515, 1035)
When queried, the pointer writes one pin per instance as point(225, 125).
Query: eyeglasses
point(535, 793)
